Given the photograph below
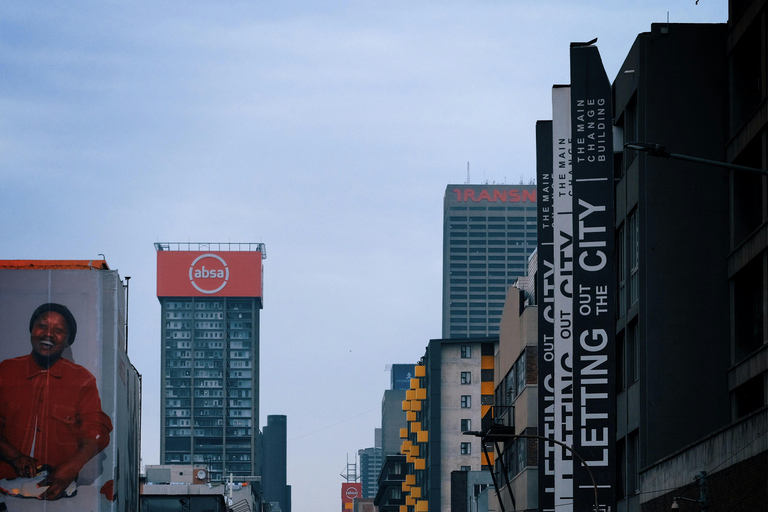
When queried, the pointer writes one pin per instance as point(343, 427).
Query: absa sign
point(209, 273)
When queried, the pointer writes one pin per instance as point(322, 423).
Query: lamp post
point(530, 436)
point(657, 150)
point(703, 500)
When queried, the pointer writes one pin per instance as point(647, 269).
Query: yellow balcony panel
point(410, 501)
point(403, 508)
point(410, 416)
point(421, 394)
point(420, 371)
point(406, 487)
point(486, 363)
point(410, 459)
point(415, 451)
point(415, 383)
point(410, 479)
point(348, 506)
point(404, 433)
point(422, 436)
point(483, 410)
point(420, 464)
point(415, 405)
point(406, 405)
point(415, 426)
point(491, 456)
point(486, 388)
point(410, 394)
point(406, 446)
point(422, 506)
point(416, 492)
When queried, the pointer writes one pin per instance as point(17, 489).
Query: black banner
point(545, 299)
point(594, 280)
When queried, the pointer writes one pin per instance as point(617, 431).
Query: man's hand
point(25, 467)
point(58, 480)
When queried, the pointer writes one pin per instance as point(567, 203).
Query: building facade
point(451, 392)
point(210, 297)
point(488, 233)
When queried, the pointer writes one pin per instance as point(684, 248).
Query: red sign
point(350, 491)
point(207, 274)
point(493, 195)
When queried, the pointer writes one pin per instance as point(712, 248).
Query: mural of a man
point(50, 409)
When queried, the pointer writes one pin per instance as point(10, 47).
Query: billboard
point(546, 286)
point(207, 274)
point(594, 277)
point(69, 397)
point(349, 492)
point(562, 239)
point(576, 379)
point(491, 194)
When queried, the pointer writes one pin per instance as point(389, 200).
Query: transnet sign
point(206, 274)
point(494, 195)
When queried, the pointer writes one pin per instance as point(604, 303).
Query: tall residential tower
point(210, 296)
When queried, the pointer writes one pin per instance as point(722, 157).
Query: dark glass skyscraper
point(210, 297)
point(488, 233)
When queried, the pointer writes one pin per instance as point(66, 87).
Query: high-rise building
point(370, 466)
point(488, 233)
point(210, 296)
point(274, 468)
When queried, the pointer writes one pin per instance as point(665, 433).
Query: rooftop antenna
point(467, 173)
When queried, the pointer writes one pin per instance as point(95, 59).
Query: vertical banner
point(546, 286)
point(562, 203)
point(593, 277)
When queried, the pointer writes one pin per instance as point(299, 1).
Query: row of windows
point(482, 234)
point(491, 250)
point(530, 242)
point(483, 257)
point(487, 265)
point(494, 273)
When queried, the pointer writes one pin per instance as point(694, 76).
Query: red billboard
point(209, 274)
point(350, 491)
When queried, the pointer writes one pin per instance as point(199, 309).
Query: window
point(466, 425)
point(466, 401)
point(466, 351)
point(621, 273)
point(633, 250)
point(632, 354)
point(466, 377)
point(466, 448)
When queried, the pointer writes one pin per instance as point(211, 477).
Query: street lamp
point(657, 150)
point(703, 500)
point(531, 436)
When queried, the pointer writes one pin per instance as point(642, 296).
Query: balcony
point(498, 421)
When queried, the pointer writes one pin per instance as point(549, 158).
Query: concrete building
point(695, 352)
point(210, 297)
point(452, 390)
point(488, 233)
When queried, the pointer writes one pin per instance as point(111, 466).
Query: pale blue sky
point(327, 130)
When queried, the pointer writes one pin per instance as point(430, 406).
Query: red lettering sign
point(493, 195)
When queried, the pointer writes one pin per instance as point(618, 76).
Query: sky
point(326, 130)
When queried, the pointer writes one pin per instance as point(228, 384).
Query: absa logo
point(209, 273)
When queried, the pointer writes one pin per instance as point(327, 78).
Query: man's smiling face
point(50, 336)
